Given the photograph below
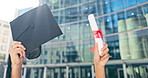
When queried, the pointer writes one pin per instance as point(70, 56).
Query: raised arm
point(16, 49)
point(100, 61)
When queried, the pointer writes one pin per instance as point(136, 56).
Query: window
point(40, 61)
point(4, 40)
point(3, 48)
point(6, 33)
point(45, 61)
point(45, 52)
point(7, 26)
point(0, 31)
point(2, 56)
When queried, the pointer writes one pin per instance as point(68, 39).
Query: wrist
point(16, 65)
point(99, 66)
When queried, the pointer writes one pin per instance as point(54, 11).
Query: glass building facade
point(123, 22)
point(125, 27)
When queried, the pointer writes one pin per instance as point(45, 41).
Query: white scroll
point(94, 27)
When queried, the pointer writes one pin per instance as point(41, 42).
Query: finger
point(22, 59)
point(20, 52)
point(15, 42)
point(105, 57)
point(105, 52)
point(24, 53)
point(104, 43)
point(105, 60)
point(105, 46)
point(19, 46)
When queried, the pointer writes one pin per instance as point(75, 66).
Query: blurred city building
point(4, 44)
point(4, 39)
point(125, 27)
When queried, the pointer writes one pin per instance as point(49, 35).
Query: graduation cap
point(34, 28)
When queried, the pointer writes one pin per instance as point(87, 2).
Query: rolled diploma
point(94, 27)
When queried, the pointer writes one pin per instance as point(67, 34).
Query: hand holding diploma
point(100, 49)
point(100, 61)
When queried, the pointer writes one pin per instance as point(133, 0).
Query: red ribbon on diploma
point(97, 34)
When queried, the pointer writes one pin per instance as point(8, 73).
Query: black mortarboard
point(34, 28)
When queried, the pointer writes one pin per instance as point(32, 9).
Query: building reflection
point(124, 24)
